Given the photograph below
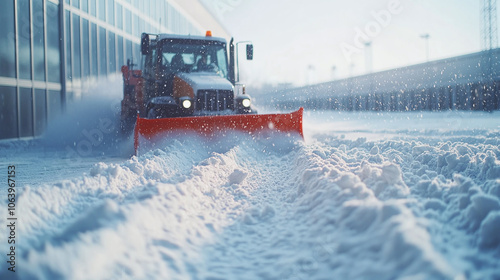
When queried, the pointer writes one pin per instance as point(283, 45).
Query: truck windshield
point(193, 56)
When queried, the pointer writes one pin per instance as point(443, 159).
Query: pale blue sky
point(289, 36)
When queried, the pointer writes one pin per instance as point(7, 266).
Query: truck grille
point(214, 100)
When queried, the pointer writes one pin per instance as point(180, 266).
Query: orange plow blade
point(215, 125)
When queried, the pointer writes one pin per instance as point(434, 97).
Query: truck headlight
point(246, 103)
point(186, 104)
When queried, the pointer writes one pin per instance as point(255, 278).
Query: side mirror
point(249, 52)
point(144, 43)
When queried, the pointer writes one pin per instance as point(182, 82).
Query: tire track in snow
point(251, 243)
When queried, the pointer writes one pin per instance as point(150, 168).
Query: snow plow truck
point(189, 83)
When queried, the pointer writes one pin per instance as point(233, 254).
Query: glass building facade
point(52, 50)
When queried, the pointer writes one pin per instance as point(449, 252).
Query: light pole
point(334, 72)
point(426, 37)
point(351, 69)
point(310, 74)
point(368, 57)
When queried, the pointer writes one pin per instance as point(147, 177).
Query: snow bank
point(358, 208)
point(125, 210)
point(451, 179)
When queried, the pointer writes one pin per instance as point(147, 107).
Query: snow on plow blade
point(209, 126)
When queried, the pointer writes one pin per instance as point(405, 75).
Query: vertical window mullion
point(80, 19)
point(16, 69)
point(68, 39)
point(32, 62)
point(45, 43)
point(45, 35)
point(97, 70)
point(18, 98)
point(31, 43)
point(106, 52)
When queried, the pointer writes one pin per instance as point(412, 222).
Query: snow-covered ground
point(367, 196)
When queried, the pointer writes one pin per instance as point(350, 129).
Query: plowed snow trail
point(254, 244)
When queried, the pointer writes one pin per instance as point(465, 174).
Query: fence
point(469, 82)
